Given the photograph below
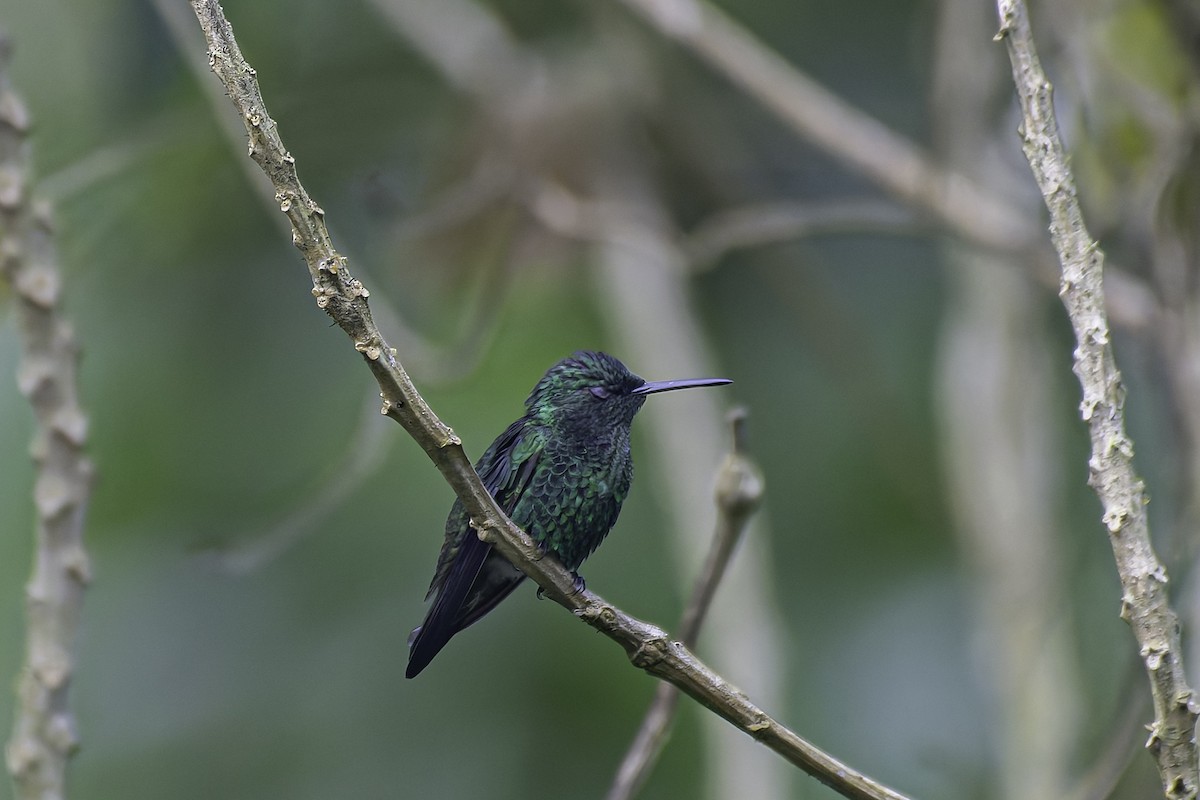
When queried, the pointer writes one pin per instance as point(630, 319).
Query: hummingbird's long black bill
point(653, 387)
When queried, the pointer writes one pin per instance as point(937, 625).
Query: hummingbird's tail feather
point(495, 582)
point(423, 649)
point(472, 589)
point(441, 623)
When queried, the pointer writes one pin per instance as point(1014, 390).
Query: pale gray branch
point(344, 298)
point(1144, 601)
point(44, 735)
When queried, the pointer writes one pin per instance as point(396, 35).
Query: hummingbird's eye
point(599, 391)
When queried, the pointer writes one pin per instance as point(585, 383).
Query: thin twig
point(1121, 745)
point(44, 735)
point(772, 223)
point(738, 494)
point(1144, 601)
point(345, 300)
point(365, 453)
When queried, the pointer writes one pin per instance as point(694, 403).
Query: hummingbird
point(561, 472)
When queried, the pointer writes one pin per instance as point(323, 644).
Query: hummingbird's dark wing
point(465, 589)
point(493, 577)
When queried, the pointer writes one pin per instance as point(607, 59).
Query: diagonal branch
point(344, 298)
point(1144, 601)
point(44, 735)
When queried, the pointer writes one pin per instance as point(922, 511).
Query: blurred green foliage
point(221, 402)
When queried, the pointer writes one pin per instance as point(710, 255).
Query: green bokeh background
point(221, 400)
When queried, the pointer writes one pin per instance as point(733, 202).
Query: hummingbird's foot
point(577, 582)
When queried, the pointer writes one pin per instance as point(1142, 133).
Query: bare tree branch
point(344, 298)
point(738, 493)
point(44, 735)
point(1144, 602)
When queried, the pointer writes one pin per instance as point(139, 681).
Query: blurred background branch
point(755, 226)
point(839, 128)
point(996, 402)
point(44, 734)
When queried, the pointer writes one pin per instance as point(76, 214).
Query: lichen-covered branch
point(738, 494)
point(345, 300)
point(1144, 601)
point(44, 736)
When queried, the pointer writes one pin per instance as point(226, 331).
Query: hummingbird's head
point(587, 386)
point(594, 389)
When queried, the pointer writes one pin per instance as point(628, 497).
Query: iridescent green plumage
point(561, 472)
